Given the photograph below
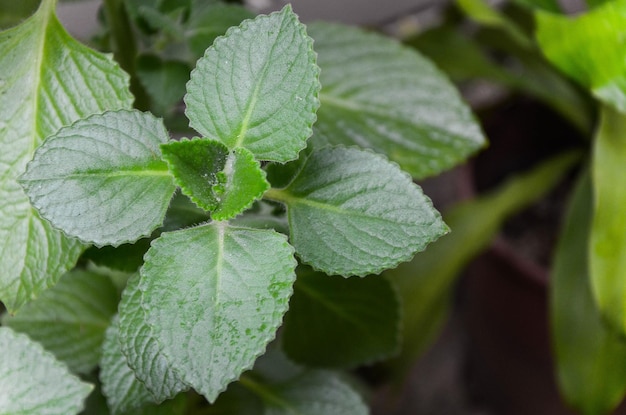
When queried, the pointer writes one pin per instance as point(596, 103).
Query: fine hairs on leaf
point(206, 277)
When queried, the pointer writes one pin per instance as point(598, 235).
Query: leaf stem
point(276, 195)
point(124, 48)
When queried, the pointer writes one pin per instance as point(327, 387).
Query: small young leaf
point(102, 179)
point(352, 212)
point(341, 323)
point(143, 353)
point(47, 80)
point(32, 381)
point(257, 88)
point(220, 181)
point(589, 48)
point(70, 318)
point(214, 299)
point(387, 97)
point(587, 351)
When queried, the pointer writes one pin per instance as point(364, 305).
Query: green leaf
point(119, 384)
point(587, 352)
point(70, 318)
point(208, 20)
point(336, 322)
point(143, 353)
point(608, 237)
point(257, 88)
point(589, 48)
point(352, 212)
point(32, 381)
point(311, 393)
point(125, 393)
point(223, 182)
point(163, 80)
point(382, 95)
point(214, 299)
point(102, 179)
point(47, 80)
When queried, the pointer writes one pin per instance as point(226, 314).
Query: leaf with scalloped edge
point(70, 318)
point(257, 88)
point(102, 179)
point(216, 179)
point(336, 322)
point(47, 80)
point(143, 353)
point(32, 381)
point(382, 95)
point(214, 298)
point(352, 212)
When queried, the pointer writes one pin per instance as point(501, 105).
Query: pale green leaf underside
point(607, 242)
point(590, 49)
point(352, 212)
point(47, 80)
point(119, 384)
point(314, 393)
point(587, 351)
point(257, 88)
point(336, 322)
point(216, 179)
point(32, 381)
point(214, 299)
point(70, 318)
point(143, 354)
point(381, 95)
point(102, 179)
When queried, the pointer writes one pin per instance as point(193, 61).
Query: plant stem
point(265, 393)
point(125, 48)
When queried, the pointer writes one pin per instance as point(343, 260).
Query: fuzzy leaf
point(220, 181)
point(214, 299)
point(257, 88)
point(119, 384)
point(32, 381)
point(143, 354)
point(587, 351)
point(382, 95)
point(47, 80)
point(341, 323)
point(590, 49)
point(352, 212)
point(70, 318)
point(102, 179)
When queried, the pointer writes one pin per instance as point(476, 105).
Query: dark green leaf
point(220, 181)
point(336, 322)
point(163, 80)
